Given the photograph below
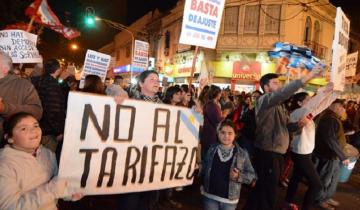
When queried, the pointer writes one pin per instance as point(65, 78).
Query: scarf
point(225, 154)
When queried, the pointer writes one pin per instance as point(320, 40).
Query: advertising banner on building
point(351, 64)
point(136, 146)
point(340, 47)
point(20, 46)
point(183, 64)
point(246, 71)
point(141, 55)
point(95, 63)
point(201, 22)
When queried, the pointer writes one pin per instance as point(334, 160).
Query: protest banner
point(141, 55)
point(95, 63)
point(132, 147)
point(340, 47)
point(201, 22)
point(351, 64)
point(20, 46)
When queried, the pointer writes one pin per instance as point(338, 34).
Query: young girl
point(27, 169)
point(225, 167)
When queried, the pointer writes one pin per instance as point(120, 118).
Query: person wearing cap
point(328, 153)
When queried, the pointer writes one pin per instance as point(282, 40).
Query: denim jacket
point(240, 161)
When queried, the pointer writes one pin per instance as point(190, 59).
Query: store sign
point(246, 71)
point(141, 55)
point(183, 64)
point(127, 69)
point(340, 47)
point(201, 22)
point(351, 64)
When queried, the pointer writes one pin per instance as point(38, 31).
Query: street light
point(74, 46)
point(121, 27)
point(90, 21)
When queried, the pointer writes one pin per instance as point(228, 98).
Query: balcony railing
point(317, 49)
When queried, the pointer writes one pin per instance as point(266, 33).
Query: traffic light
point(90, 17)
point(90, 21)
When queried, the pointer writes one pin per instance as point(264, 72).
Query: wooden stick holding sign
point(193, 67)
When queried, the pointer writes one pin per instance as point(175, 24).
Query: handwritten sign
point(351, 64)
point(201, 22)
point(135, 146)
point(141, 55)
point(95, 63)
point(20, 46)
point(340, 47)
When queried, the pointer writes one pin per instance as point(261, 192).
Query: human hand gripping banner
point(136, 146)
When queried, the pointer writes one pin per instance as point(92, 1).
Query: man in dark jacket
point(54, 102)
point(328, 153)
point(16, 94)
point(272, 137)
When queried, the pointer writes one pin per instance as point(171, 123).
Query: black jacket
point(53, 101)
point(329, 137)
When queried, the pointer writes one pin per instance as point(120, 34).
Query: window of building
point(167, 39)
point(128, 50)
point(307, 32)
point(118, 54)
point(272, 20)
point(231, 20)
point(317, 32)
point(251, 21)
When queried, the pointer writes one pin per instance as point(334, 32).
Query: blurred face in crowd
point(339, 110)
point(187, 97)
point(247, 100)
point(151, 85)
point(273, 85)
point(255, 96)
point(226, 136)
point(26, 134)
point(176, 98)
point(4, 66)
point(119, 82)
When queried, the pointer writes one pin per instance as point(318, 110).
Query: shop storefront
point(180, 67)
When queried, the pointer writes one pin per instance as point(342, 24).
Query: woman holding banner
point(147, 90)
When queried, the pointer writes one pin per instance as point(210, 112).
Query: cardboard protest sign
point(135, 146)
point(20, 45)
point(351, 64)
point(340, 47)
point(95, 63)
point(141, 55)
point(201, 22)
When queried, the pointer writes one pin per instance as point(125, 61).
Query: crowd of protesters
point(244, 139)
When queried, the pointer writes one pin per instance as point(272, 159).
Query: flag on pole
point(43, 15)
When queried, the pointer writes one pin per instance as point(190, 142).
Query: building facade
point(248, 30)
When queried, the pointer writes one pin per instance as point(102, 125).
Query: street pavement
point(348, 194)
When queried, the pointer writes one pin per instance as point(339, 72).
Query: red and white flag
point(43, 15)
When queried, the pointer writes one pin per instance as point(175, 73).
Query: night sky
point(71, 13)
